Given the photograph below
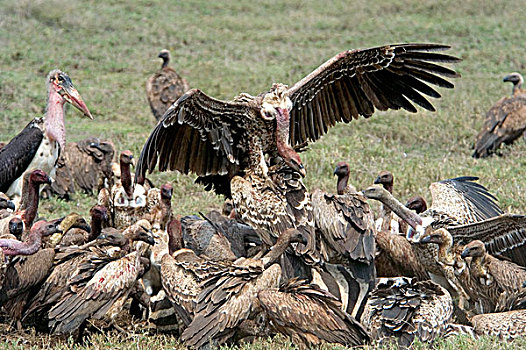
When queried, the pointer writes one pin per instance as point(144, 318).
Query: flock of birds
point(314, 266)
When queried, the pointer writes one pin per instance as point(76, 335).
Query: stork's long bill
point(71, 95)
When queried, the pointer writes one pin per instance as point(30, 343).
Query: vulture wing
point(502, 235)
point(311, 315)
point(505, 122)
point(16, 156)
point(197, 134)
point(464, 199)
point(355, 82)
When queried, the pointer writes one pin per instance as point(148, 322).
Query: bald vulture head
point(165, 55)
point(474, 249)
point(417, 203)
point(385, 178)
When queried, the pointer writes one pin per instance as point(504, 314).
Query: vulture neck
point(282, 134)
point(445, 254)
point(96, 227)
point(28, 247)
point(342, 184)
point(517, 88)
point(54, 118)
point(409, 216)
point(478, 266)
point(166, 61)
point(126, 179)
point(175, 236)
point(166, 211)
point(29, 203)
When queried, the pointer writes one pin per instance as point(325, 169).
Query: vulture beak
point(301, 170)
point(465, 253)
point(378, 181)
point(430, 239)
point(70, 94)
point(102, 236)
point(508, 78)
point(150, 240)
point(11, 205)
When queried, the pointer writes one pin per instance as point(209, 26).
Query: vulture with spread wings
point(220, 139)
point(233, 145)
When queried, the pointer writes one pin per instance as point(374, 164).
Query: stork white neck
point(54, 119)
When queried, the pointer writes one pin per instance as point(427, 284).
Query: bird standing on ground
point(505, 121)
point(38, 146)
point(164, 87)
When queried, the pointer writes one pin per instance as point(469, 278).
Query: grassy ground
point(109, 50)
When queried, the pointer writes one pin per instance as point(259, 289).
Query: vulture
point(505, 121)
point(230, 296)
point(74, 265)
point(507, 325)
point(226, 143)
point(182, 273)
point(345, 226)
point(39, 145)
point(310, 315)
point(164, 87)
point(84, 166)
point(95, 289)
point(28, 207)
point(492, 276)
point(401, 309)
point(25, 273)
point(128, 202)
point(456, 201)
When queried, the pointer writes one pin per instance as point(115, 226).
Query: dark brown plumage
point(225, 143)
point(84, 166)
point(401, 309)
point(164, 87)
point(229, 296)
point(505, 121)
point(103, 288)
point(345, 232)
point(492, 276)
point(310, 316)
point(24, 274)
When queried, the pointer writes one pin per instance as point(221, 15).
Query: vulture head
point(385, 178)
point(276, 103)
point(39, 177)
point(165, 55)
point(126, 158)
point(74, 220)
point(342, 170)
point(417, 203)
point(167, 191)
point(474, 249)
point(516, 79)
point(61, 83)
point(140, 231)
point(16, 227)
point(293, 160)
point(47, 228)
point(99, 214)
point(5, 203)
point(440, 237)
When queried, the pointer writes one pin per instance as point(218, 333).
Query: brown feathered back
point(164, 87)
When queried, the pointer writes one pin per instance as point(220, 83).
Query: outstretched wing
point(355, 82)
point(502, 235)
point(197, 134)
point(464, 199)
point(16, 156)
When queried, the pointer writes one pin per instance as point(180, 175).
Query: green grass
point(109, 50)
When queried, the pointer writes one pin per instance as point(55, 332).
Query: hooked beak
point(102, 236)
point(11, 205)
point(465, 253)
point(377, 181)
point(507, 78)
point(70, 94)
